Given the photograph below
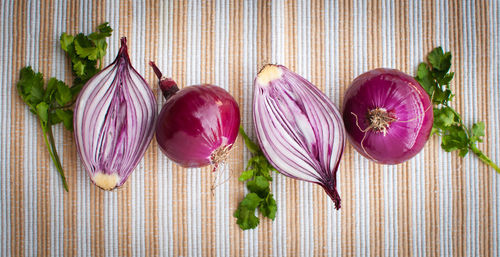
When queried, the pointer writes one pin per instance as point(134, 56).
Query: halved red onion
point(114, 120)
point(299, 129)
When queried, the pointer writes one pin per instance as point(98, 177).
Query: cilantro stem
point(51, 146)
point(63, 107)
point(483, 157)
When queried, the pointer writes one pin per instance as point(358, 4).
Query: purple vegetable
point(299, 129)
point(387, 115)
point(197, 125)
point(114, 119)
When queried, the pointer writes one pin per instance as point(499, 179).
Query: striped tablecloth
point(434, 204)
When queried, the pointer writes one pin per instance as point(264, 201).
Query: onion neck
point(123, 52)
point(167, 85)
point(380, 119)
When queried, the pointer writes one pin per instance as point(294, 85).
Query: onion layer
point(388, 115)
point(114, 120)
point(299, 129)
point(198, 124)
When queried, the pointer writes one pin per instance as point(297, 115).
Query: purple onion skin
point(404, 99)
point(195, 122)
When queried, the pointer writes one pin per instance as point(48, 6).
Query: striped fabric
point(434, 204)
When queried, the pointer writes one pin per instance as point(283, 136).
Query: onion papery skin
point(114, 121)
point(198, 125)
point(299, 129)
point(406, 101)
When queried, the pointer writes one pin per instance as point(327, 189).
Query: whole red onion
point(387, 115)
point(198, 124)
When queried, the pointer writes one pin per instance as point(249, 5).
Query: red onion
point(197, 125)
point(387, 115)
point(299, 129)
point(114, 120)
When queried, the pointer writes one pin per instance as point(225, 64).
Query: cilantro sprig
point(258, 177)
point(52, 104)
point(85, 53)
point(435, 78)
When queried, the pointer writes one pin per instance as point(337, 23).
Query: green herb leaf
point(30, 87)
point(444, 117)
point(439, 60)
point(105, 29)
point(245, 213)
point(53, 118)
point(446, 78)
point(78, 67)
point(259, 185)
point(42, 109)
point(66, 117)
point(50, 90)
point(66, 41)
point(477, 132)
point(268, 207)
point(258, 175)
point(246, 175)
point(63, 94)
point(85, 48)
point(435, 79)
point(454, 138)
point(425, 79)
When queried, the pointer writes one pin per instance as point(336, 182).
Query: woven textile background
point(434, 204)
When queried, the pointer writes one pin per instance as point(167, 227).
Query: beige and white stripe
point(435, 204)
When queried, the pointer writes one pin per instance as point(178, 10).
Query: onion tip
point(123, 48)
point(334, 195)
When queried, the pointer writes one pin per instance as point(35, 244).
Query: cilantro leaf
point(105, 29)
point(477, 132)
point(245, 213)
point(30, 87)
point(52, 104)
point(268, 207)
point(439, 60)
point(259, 185)
point(435, 78)
point(66, 116)
point(50, 90)
point(425, 79)
point(42, 109)
point(85, 48)
point(63, 93)
point(446, 79)
point(78, 67)
point(258, 176)
point(454, 138)
point(246, 175)
point(444, 117)
point(66, 41)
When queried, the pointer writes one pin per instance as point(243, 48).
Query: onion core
point(387, 115)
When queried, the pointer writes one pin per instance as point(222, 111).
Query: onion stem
point(167, 85)
point(51, 146)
